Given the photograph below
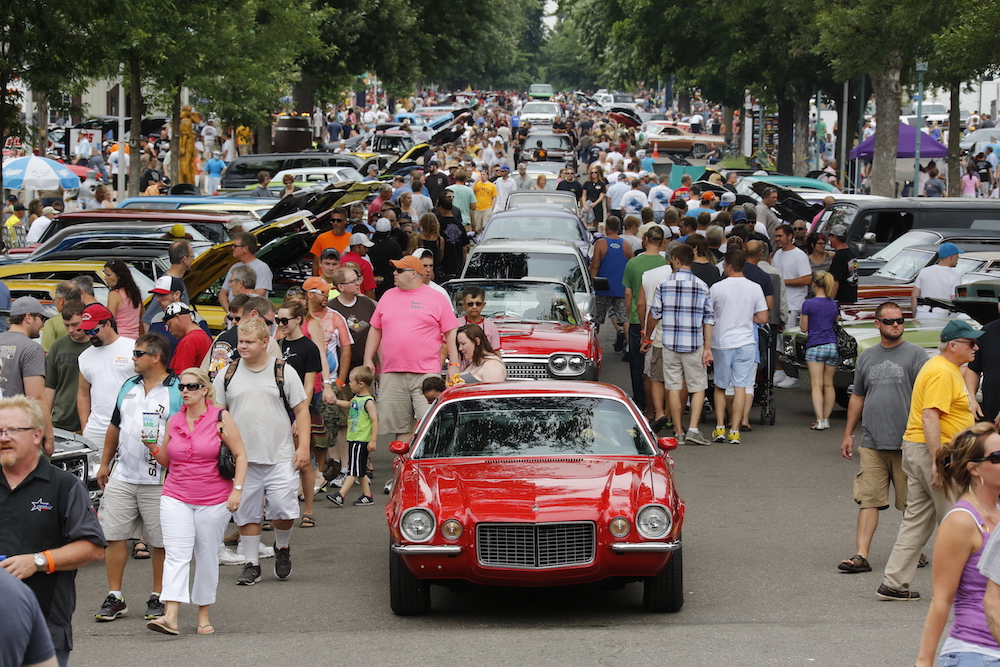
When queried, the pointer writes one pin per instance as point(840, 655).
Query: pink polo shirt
point(193, 476)
point(412, 322)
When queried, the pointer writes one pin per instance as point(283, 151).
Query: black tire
point(763, 415)
point(665, 591)
point(408, 596)
point(699, 151)
point(771, 414)
point(843, 397)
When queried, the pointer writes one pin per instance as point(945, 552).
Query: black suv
point(243, 170)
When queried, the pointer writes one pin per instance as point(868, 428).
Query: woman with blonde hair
point(540, 182)
point(969, 467)
point(819, 314)
point(197, 500)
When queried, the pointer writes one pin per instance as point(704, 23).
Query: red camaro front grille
point(535, 546)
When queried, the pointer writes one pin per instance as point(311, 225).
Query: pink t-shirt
point(411, 331)
point(127, 317)
point(193, 476)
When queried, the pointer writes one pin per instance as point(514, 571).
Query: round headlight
point(558, 363)
point(417, 525)
point(653, 522)
point(619, 526)
point(451, 529)
point(577, 364)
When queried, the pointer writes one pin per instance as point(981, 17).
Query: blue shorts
point(823, 354)
point(965, 659)
point(734, 367)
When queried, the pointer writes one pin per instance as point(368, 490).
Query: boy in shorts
point(362, 431)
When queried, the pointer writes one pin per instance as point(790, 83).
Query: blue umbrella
point(38, 173)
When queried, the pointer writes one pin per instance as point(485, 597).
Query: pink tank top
point(127, 317)
point(193, 477)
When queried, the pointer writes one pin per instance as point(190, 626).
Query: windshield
point(562, 267)
point(550, 142)
point(906, 264)
point(623, 99)
point(905, 241)
point(528, 199)
point(842, 214)
point(521, 302)
point(533, 227)
point(540, 88)
point(533, 426)
point(541, 107)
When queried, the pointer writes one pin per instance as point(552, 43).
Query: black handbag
point(227, 462)
point(847, 345)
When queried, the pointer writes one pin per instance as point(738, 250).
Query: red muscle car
point(534, 484)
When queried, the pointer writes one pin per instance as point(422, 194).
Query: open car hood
point(625, 116)
point(314, 201)
point(790, 205)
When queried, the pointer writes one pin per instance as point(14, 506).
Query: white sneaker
point(780, 376)
point(388, 487)
point(338, 481)
point(227, 557)
point(788, 383)
point(264, 551)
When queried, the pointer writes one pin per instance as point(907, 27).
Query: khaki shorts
point(871, 484)
point(680, 368)
point(401, 401)
point(655, 361)
point(129, 510)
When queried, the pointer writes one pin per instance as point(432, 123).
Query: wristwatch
point(237, 487)
point(41, 564)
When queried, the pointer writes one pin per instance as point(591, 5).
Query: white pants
point(191, 529)
point(212, 184)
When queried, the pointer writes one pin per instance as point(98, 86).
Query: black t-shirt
point(302, 355)
point(436, 184)
point(359, 317)
point(595, 189)
point(385, 249)
point(149, 176)
point(759, 276)
point(706, 272)
point(223, 351)
point(844, 269)
point(48, 510)
point(571, 186)
point(455, 239)
point(988, 359)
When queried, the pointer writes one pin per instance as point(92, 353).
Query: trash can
point(291, 134)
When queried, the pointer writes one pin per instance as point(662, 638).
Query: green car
point(541, 91)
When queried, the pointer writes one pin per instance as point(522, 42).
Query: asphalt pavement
point(767, 523)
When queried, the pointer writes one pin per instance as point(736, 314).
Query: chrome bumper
point(646, 546)
point(427, 549)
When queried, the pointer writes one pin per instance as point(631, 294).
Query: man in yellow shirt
point(486, 197)
point(939, 409)
point(16, 218)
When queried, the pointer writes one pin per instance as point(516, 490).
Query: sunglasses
point(992, 458)
point(889, 321)
point(337, 220)
point(283, 321)
point(236, 245)
point(92, 332)
point(475, 303)
point(139, 354)
point(401, 270)
point(191, 386)
point(234, 318)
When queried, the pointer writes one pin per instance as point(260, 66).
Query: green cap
point(959, 329)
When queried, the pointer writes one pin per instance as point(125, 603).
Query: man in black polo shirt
point(49, 526)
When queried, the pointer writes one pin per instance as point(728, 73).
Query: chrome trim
point(646, 546)
point(427, 549)
point(536, 546)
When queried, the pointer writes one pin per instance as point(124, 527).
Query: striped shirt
point(683, 304)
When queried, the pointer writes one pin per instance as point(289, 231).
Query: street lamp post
point(921, 68)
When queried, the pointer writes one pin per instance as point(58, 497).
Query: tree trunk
point(800, 157)
point(727, 120)
point(42, 102)
point(887, 100)
point(135, 132)
point(175, 135)
point(304, 94)
point(954, 151)
point(847, 122)
point(684, 103)
point(786, 118)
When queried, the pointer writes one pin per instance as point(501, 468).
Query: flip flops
point(160, 625)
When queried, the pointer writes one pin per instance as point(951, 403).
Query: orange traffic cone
point(656, 150)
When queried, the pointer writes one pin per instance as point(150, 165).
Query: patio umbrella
point(38, 173)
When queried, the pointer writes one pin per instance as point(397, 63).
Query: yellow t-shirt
point(485, 192)
point(939, 385)
point(12, 220)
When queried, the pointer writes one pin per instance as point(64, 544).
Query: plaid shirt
point(683, 304)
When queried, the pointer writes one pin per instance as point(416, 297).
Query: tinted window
point(533, 227)
point(249, 168)
point(550, 142)
point(540, 107)
point(533, 426)
point(564, 268)
point(978, 219)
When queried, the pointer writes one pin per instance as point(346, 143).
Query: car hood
point(277, 253)
point(543, 489)
point(533, 338)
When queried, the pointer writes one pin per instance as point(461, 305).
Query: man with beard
point(103, 369)
point(22, 360)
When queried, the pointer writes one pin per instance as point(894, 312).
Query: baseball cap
point(361, 239)
point(504, 167)
point(92, 314)
point(739, 216)
point(18, 207)
point(708, 195)
point(166, 284)
point(29, 305)
point(622, 177)
point(317, 284)
point(840, 231)
point(174, 310)
point(11, 197)
point(643, 173)
point(420, 252)
point(728, 199)
point(330, 253)
point(959, 329)
point(382, 225)
point(947, 250)
point(408, 262)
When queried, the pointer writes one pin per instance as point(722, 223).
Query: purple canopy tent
point(907, 145)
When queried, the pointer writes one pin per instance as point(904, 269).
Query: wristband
point(155, 451)
point(455, 365)
point(340, 383)
point(648, 341)
point(51, 563)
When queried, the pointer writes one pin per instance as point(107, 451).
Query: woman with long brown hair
point(429, 238)
point(124, 299)
point(485, 364)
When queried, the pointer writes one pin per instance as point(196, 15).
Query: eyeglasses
point(139, 354)
point(13, 431)
point(889, 321)
point(234, 318)
point(970, 343)
point(992, 458)
point(191, 386)
point(283, 321)
point(401, 270)
point(236, 245)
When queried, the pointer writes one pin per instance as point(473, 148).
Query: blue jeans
point(966, 659)
point(635, 364)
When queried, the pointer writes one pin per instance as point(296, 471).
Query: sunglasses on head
point(889, 321)
point(992, 458)
point(191, 386)
point(295, 290)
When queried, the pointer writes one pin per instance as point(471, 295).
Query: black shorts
point(357, 457)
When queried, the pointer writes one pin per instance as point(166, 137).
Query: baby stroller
point(763, 394)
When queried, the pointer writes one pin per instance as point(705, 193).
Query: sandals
point(308, 521)
point(206, 630)
point(923, 562)
point(160, 625)
point(266, 526)
point(855, 564)
point(140, 551)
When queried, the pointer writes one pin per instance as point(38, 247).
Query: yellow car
point(249, 208)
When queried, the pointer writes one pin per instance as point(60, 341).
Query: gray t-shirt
point(256, 406)
point(885, 376)
point(263, 272)
point(989, 561)
point(20, 357)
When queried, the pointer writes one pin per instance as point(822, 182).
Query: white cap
point(360, 239)
point(382, 225)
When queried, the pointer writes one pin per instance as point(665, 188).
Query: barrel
point(292, 134)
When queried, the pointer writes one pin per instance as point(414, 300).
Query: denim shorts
point(967, 659)
point(734, 367)
point(823, 354)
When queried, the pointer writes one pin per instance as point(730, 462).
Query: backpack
point(279, 379)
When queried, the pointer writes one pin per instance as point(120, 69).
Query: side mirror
point(665, 444)
point(400, 447)
point(869, 237)
point(601, 283)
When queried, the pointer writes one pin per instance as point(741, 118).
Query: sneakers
point(886, 593)
point(336, 499)
point(620, 341)
point(228, 557)
point(111, 609)
point(154, 608)
point(338, 481)
point(249, 576)
point(363, 501)
point(679, 437)
point(282, 562)
point(387, 489)
point(719, 434)
point(694, 438)
point(788, 383)
point(734, 437)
